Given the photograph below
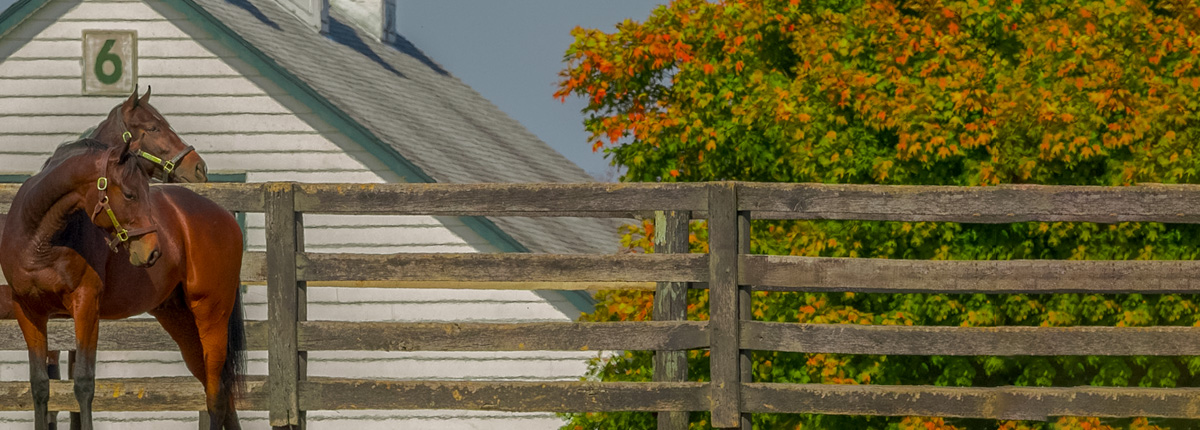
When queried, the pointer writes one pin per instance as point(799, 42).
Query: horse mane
point(70, 149)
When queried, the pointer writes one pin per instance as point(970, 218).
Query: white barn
point(268, 91)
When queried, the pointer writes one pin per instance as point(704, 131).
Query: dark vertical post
point(301, 315)
point(723, 306)
point(282, 306)
point(745, 312)
point(670, 304)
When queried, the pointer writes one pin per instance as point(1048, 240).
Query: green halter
point(122, 234)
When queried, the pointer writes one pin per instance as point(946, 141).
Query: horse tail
point(235, 350)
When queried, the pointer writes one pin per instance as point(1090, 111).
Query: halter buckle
point(102, 184)
point(122, 235)
point(168, 167)
point(126, 136)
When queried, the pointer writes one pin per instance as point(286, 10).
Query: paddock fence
point(728, 271)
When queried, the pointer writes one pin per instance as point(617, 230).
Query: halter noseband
point(121, 234)
point(167, 166)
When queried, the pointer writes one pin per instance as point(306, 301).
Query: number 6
point(108, 57)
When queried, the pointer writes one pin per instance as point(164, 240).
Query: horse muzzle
point(143, 250)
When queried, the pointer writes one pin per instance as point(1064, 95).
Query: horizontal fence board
point(121, 335)
point(332, 394)
point(479, 285)
point(254, 267)
point(521, 267)
point(782, 273)
point(596, 199)
point(254, 271)
point(233, 196)
point(1003, 341)
point(551, 336)
point(1003, 403)
point(998, 204)
point(131, 394)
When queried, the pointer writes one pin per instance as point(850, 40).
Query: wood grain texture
point(521, 267)
point(122, 335)
point(282, 312)
point(1001, 403)
point(497, 199)
point(790, 273)
point(333, 394)
point(483, 285)
point(725, 357)
point(254, 267)
point(233, 196)
point(998, 204)
point(670, 304)
point(745, 313)
point(131, 394)
point(547, 336)
point(236, 197)
point(970, 341)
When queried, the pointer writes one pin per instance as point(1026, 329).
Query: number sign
point(109, 62)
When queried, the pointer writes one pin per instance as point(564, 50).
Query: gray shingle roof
point(428, 116)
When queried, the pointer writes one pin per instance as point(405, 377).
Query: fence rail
point(728, 271)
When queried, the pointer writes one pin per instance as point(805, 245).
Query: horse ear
point(132, 101)
point(145, 97)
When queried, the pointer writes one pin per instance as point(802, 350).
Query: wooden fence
point(728, 271)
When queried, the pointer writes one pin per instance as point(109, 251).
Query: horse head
point(123, 205)
point(160, 151)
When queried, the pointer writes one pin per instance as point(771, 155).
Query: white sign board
point(109, 61)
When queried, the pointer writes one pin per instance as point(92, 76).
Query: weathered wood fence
point(728, 271)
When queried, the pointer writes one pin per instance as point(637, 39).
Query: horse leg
point(178, 321)
point(33, 328)
point(72, 358)
point(212, 322)
point(86, 311)
point(52, 372)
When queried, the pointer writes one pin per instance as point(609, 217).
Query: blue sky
point(511, 52)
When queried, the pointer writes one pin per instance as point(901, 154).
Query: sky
point(511, 52)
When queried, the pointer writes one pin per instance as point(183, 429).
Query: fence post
point(723, 295)
point(670, 304)
point(745, 311)
point(283, 307)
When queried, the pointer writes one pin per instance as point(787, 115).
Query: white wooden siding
point(241, 122)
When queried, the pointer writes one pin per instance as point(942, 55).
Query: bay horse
point(192, 290)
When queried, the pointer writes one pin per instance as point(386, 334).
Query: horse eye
point(153, 128)
point(129, 196)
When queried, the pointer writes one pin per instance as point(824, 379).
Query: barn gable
point(259, 94)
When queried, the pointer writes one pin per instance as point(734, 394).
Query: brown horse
point(193, 288)
point(51, 277)
point(160, 151)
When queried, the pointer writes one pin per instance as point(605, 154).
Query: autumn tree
point(928, 92)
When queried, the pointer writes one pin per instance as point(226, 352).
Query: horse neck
point(110, 130)
point(54, 193)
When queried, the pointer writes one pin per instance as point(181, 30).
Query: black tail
point(235, 351)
